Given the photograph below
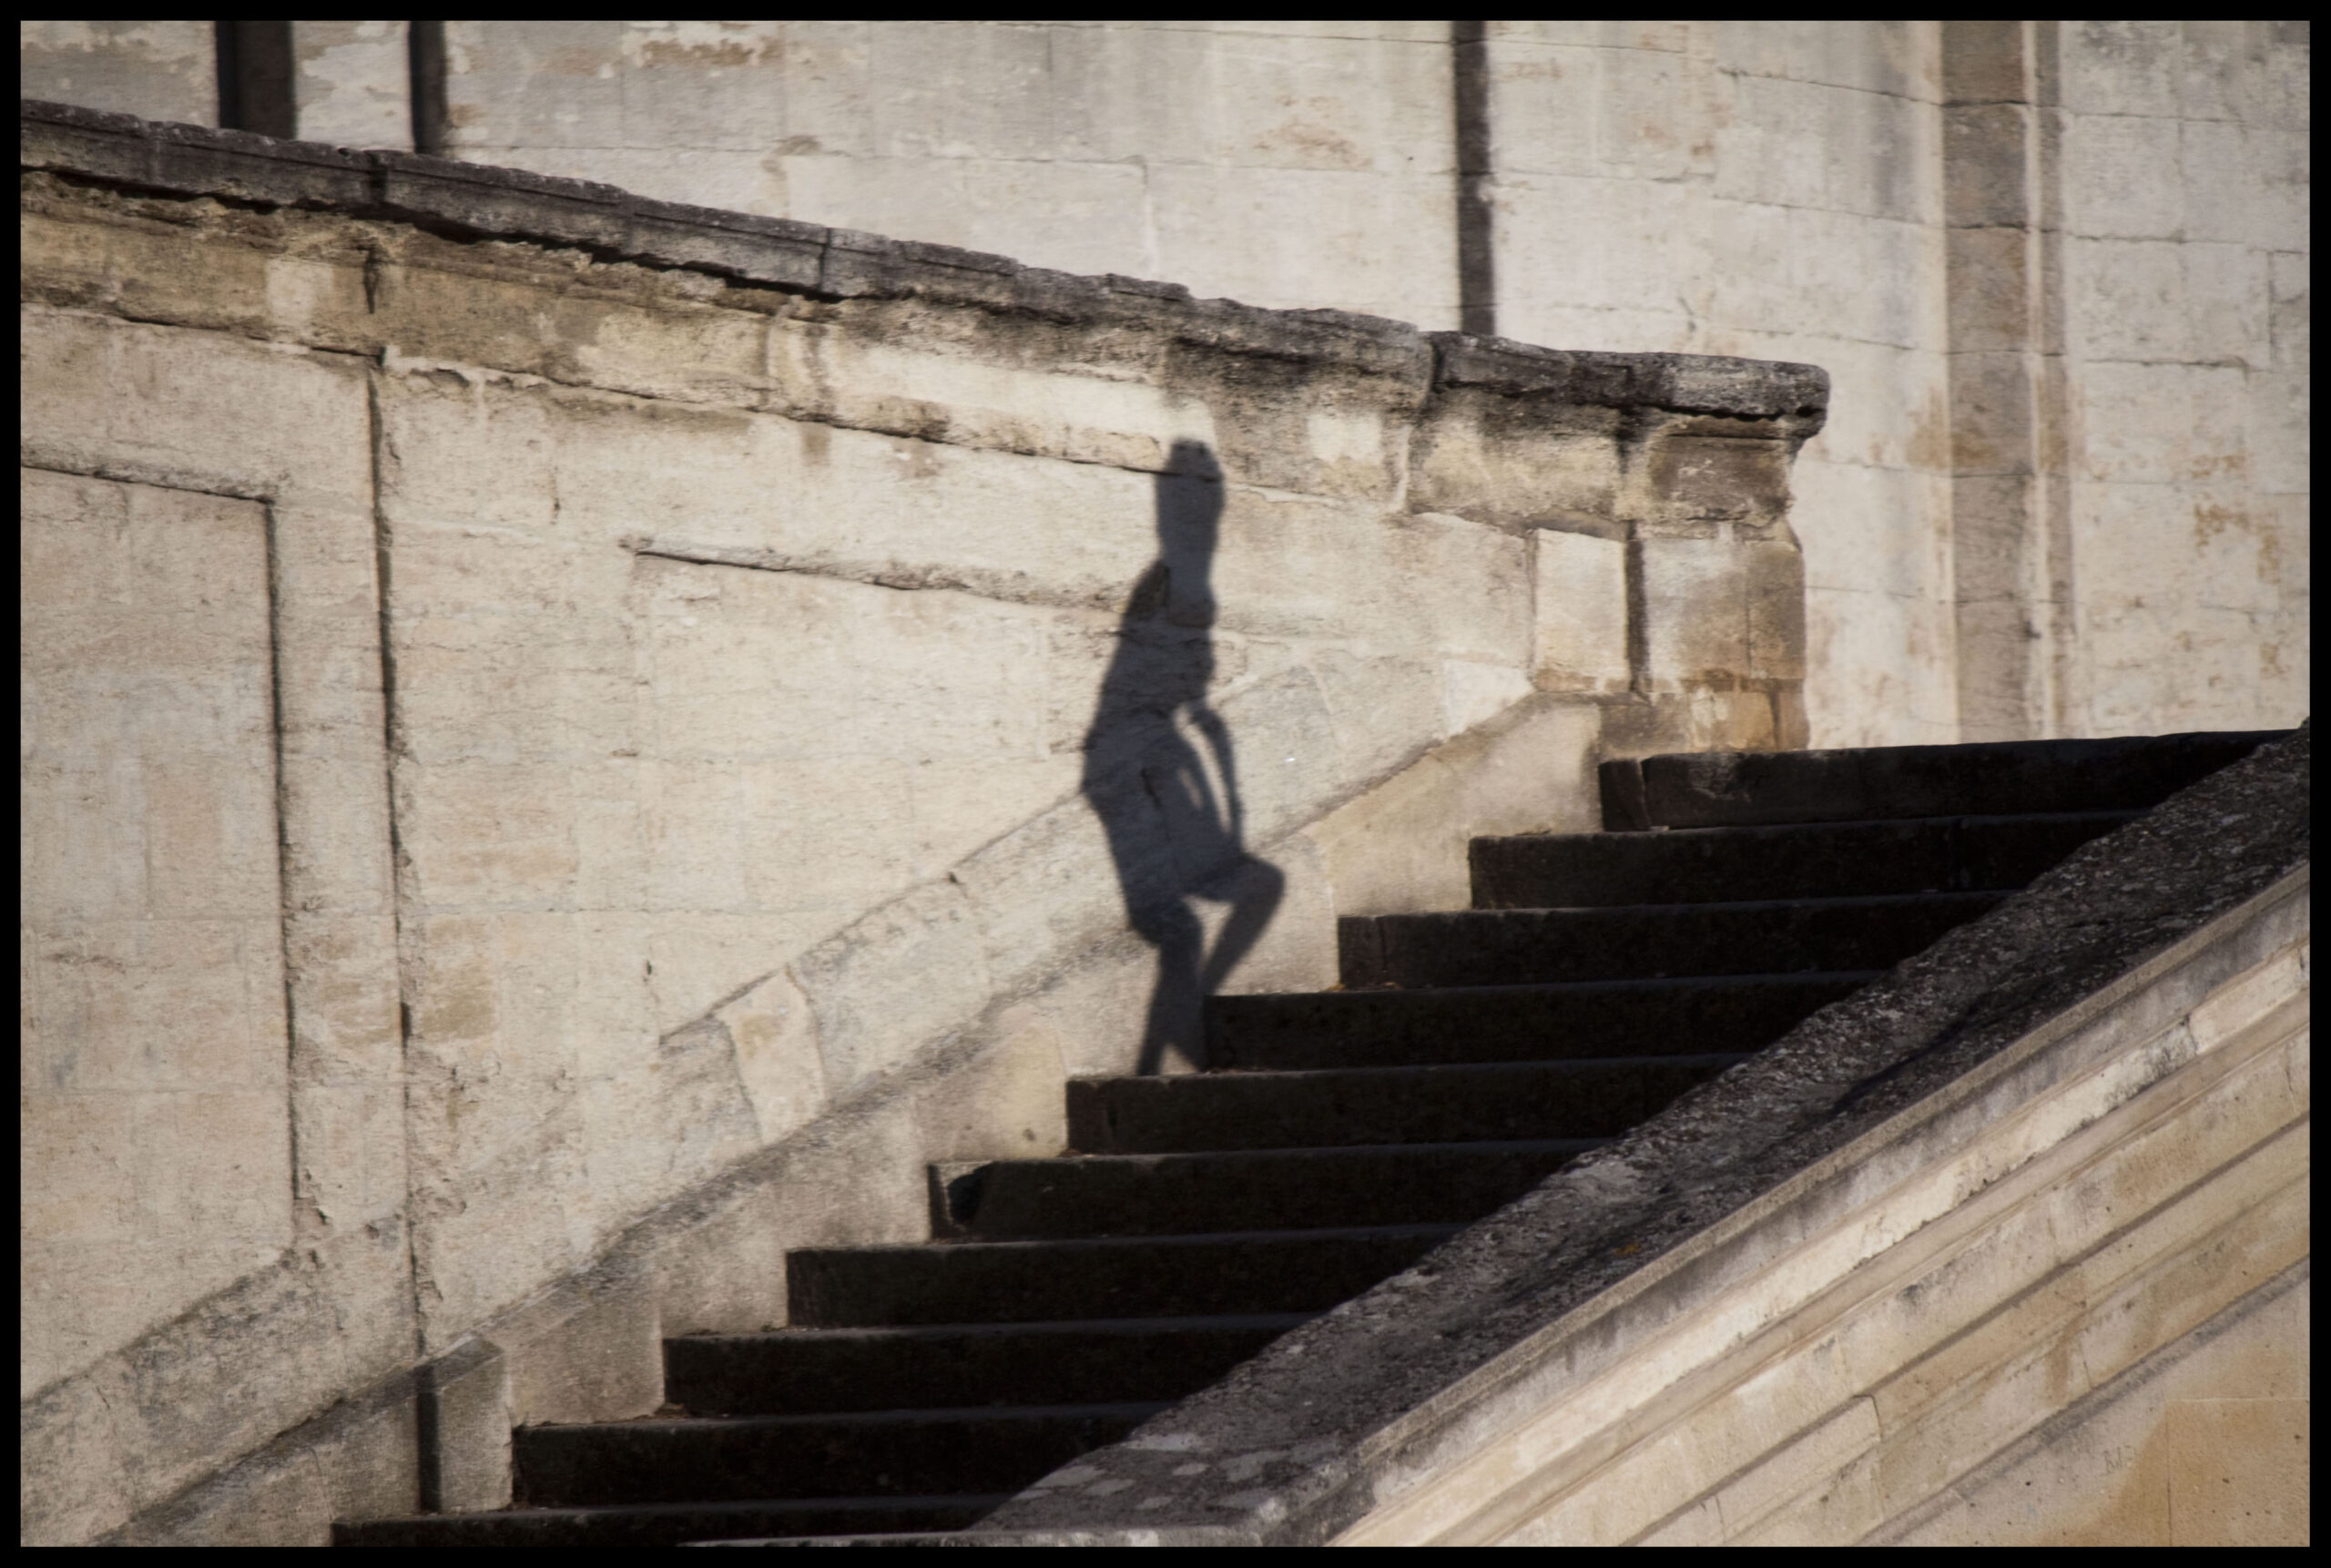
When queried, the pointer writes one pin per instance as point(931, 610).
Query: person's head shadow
point(1161, 771)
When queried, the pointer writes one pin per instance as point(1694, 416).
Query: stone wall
point(2184, 181)
point(163, 70)
point(1765, 188)
point(576, 744)
point(2058, 270)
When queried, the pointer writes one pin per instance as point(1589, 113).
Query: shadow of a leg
point(1174, 1001)
point(1260, 886)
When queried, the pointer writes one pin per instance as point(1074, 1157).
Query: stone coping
point(480, 202)
point(1285, 1449)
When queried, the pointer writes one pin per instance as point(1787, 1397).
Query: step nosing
point(1310, 1153)
point(871, 1502)
point(1773, 979)
point(899, 1416)
point(1190, 1238)
point(1824, 826)
point(1724, 906)
point(1555, 1066)
point(1129, 1327)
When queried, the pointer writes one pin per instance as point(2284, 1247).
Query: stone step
point(1589, 1098)
point(1509, 947)
point(1245, 1189)
point(1138, 1277)
point(799, 1371)
point(878, 1453)
point(674, 1523)
point(1330, 1029)
point(1815, 860)
point(1740, 788)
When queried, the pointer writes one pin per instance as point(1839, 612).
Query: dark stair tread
point(1798, 859)
point(1097, 1361)
point(2132, 772)
point(1215, 1191)
point(1647, 942)
point(1579, 1097)
point(869, 1453)
point(1117, 1277)
point(1469, 1023)
point(673, 1523)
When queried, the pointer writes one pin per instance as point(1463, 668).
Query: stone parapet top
point(481, 201)
point(1688, 383)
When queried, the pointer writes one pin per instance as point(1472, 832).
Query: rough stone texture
point(353, 87)
point(1158, 150)
point(2073, 423)
point(1281, 1450)
point(163, 70)
point(2206, 1442)
point(684, 632)
point(153, 984)
point(464, 1430)
point(2184, 179)
point(2069, 425)
point(357, 1457)
point(2129, 365)
point(1739, 186)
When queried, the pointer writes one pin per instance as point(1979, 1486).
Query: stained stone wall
point(570, 743)
point(2058, 270)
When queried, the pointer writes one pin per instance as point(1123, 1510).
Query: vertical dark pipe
point(231, 87)
point(255, 77)
point(425, 44)
point(1476, 261)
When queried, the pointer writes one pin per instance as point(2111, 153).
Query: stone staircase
point(1334, 1140)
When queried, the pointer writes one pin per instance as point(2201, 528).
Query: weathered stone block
point(894, 980)
point(153, 955)
point(353, 84)
point(1982, 62)
point(1814, 145)
point(356, 1461)
point(1877, 57)
point(1399, 849)
point(1484, 456)
point(464, 1420)
point(1004, 1104)
point(590, 1349)
point(1691, 475)
point(1566, 107)
point(1817, 296)
point(1991, 429)
point(142, 402)
point(1373, 232)
point(2124, 177)
point(2159, 423)
point(1718, 614)
point(773, 1031)
point(162, 70)
point(1990, 300)
point(1581, 612)
point(2279, 433)
point(1986, 180)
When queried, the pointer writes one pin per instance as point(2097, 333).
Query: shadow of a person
point(1170, 831)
